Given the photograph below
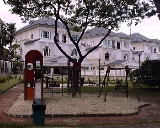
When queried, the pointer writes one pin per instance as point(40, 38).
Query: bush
point(3, 79)
point(149, 73)
point(8, 85)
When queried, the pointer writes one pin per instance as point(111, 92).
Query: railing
point(103, 72)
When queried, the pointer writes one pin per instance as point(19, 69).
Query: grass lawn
point(142, 91)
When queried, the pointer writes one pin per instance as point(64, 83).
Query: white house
point(115, 47)
point(39, 34)
point(149, 48)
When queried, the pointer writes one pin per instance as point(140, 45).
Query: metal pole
point(139, 73)
point(99, 74)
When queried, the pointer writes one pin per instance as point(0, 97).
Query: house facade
point(150, 48)
point(114, 47)
point(39, 35)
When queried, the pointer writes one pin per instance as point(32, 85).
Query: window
point(75, 37)
point(92, 43)
point(134, 48)
point(148, 47)
point(107, 56)
point(63, 38)
point(109, 43)
point(151, 49)
point(105, 42)
point(147, 57)
point(125, 44)
point(154, 50)
point(46, 34)
point(20, 51)
point(118, 45)
point(46, 51)
point(74, 52)
point(31, 36)
point(58, 36)
point(113, 44)
point(92, 68)
point(126, 57)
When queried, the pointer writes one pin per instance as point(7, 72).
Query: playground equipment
point(73, 81)
point(125, 86)
point(33, 72)
point(103, 84)
point(53, 83)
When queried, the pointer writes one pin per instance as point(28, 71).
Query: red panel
point(29, 75)
point(29, 93)
point(31, 55)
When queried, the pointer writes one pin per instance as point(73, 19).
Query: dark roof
point(48, 21)
point(155, 41)
point(136, 37)
point(97, 32)
point(117, 62)
point(31, 41)
point(56, 59)
point(122, 35)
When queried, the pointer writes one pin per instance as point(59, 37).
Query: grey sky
point(148, 27)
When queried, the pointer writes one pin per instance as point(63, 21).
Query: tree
point(150, 73)
point(157, 3)
point(77, 15)
point(6, 38)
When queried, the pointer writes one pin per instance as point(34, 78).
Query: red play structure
point(33, 72)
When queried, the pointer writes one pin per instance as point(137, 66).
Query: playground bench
point(119, 87)
point(52, 85)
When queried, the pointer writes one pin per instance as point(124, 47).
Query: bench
point(53, 87)
point(119, 87)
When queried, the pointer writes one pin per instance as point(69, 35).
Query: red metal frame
point(29, 75)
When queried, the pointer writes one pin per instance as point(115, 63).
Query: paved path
point(147, 114)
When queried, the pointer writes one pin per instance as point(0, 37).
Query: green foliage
point(6, 38)
point(8, 84)
point(3, 79)
point(149, 73)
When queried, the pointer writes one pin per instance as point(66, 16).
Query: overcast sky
point(148, 27)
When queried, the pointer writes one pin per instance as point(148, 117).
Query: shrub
point(8, 84)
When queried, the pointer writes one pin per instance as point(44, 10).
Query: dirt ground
point(147, 114)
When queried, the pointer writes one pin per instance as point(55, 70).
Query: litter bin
point(38, 108)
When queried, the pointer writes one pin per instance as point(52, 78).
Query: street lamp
point(1, 22)
point(139, 55)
